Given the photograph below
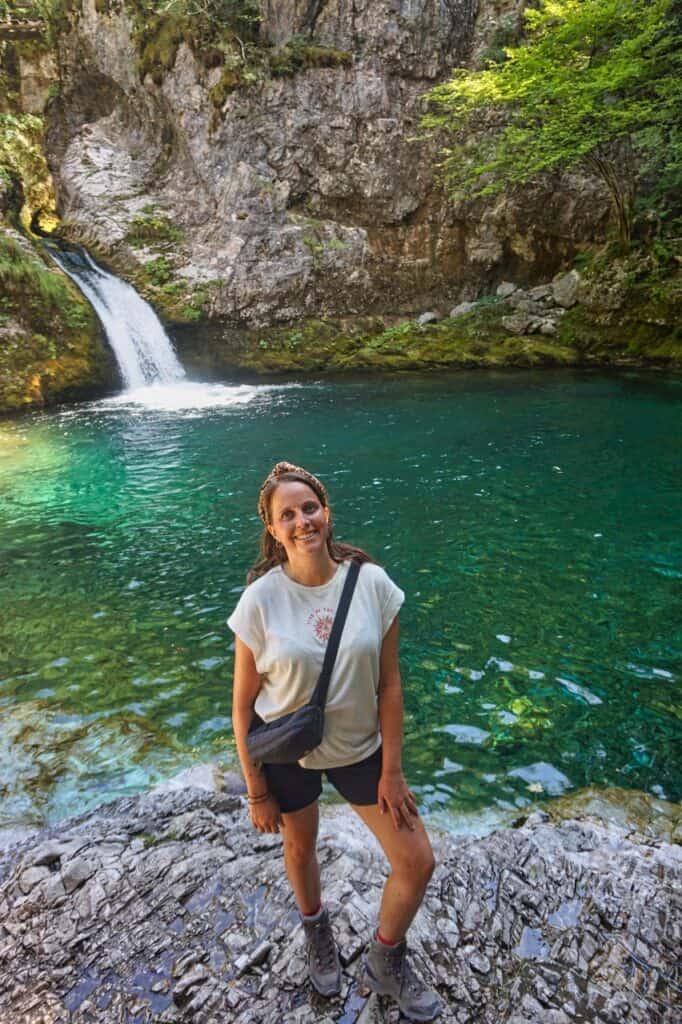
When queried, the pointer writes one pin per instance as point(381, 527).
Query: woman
point(282, 623)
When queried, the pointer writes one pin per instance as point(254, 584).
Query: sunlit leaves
point(594, 79)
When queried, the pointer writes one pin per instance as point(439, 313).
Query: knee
point(299, 854)
point(418, 867)
point(425, 867)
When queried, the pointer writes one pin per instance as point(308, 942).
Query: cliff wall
point(266, 180)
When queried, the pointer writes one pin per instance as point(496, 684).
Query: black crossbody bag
point(292, 736)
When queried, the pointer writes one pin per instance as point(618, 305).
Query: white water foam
point(190, 395)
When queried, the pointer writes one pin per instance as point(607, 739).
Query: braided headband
point(281, 469)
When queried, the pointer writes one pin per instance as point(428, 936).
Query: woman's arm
point(393, 793)
point(265, 813)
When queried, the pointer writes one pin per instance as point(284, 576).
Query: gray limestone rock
point(565, 289)
point(517, 323)
point(38, 73)
point(462, 308)
point(183, 914)
point(428, 318)
point(505, 289)
point(540, 293)
point(299, 195)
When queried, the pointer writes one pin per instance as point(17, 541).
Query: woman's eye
point(310, 507)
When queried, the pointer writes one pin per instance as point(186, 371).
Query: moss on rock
point(50, 344)
point(630, 309)
point(221, 36)
point(152, 226)
point(373, 343)
point(475, 339)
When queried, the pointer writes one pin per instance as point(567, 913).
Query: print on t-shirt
point(321, 621)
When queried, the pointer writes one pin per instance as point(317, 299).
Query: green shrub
point(152, 227)
point(299, 54)
point(157, 272)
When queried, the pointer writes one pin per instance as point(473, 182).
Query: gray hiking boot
point(389, 973)
point(323, 958)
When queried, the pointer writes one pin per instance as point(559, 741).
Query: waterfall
point(142, 348)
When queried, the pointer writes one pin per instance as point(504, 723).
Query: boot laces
point(400, 967)
point(323, 946)
point(409, 979)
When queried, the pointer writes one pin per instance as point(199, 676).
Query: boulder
point(517, 323)
point(505, 289)
point(462, 308)
point(522, 302)
point(565, 289)
point(428, 318)
point(540, 293)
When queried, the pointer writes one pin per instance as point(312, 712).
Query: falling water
point(142, 348)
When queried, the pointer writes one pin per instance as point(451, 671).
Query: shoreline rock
point(168, 907)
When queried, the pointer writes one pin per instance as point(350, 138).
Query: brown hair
point(272, 552)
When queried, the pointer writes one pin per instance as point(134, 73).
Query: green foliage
point(243, 16)
point(151, 227)
point(221, 33)
point(48, 15)
point(174, 297)
point(21, 137)
point(218, 31)
point(596, 81)
point(24, 10)
point(299, 53)
point(48, 346)
point(30, 286)
point(158, 272)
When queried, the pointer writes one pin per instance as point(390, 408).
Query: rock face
point(168, 907)
point(51, 349)
point(300, 195)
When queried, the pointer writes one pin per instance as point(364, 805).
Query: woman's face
point(298, 519)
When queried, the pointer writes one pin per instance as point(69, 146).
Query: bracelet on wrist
point(258, 799)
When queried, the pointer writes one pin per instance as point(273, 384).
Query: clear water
point(533, 519)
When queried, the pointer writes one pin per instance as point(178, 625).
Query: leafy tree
point(596, 82)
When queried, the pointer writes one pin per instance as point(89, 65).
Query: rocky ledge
point(168, 907)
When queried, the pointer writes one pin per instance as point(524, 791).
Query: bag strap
point(319, 696)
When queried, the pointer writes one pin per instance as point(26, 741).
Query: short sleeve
point(391, 598)
point(247, 622)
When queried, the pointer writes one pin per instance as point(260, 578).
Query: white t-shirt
point(286, 625)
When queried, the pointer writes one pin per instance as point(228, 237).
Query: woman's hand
point(393, 795)
point(266, 815)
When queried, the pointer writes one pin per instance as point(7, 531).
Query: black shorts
point(296, 787)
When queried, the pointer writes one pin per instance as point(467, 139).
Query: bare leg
point(412, 864)
point(299, 836)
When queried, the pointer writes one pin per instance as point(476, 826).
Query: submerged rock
point(168, 907)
